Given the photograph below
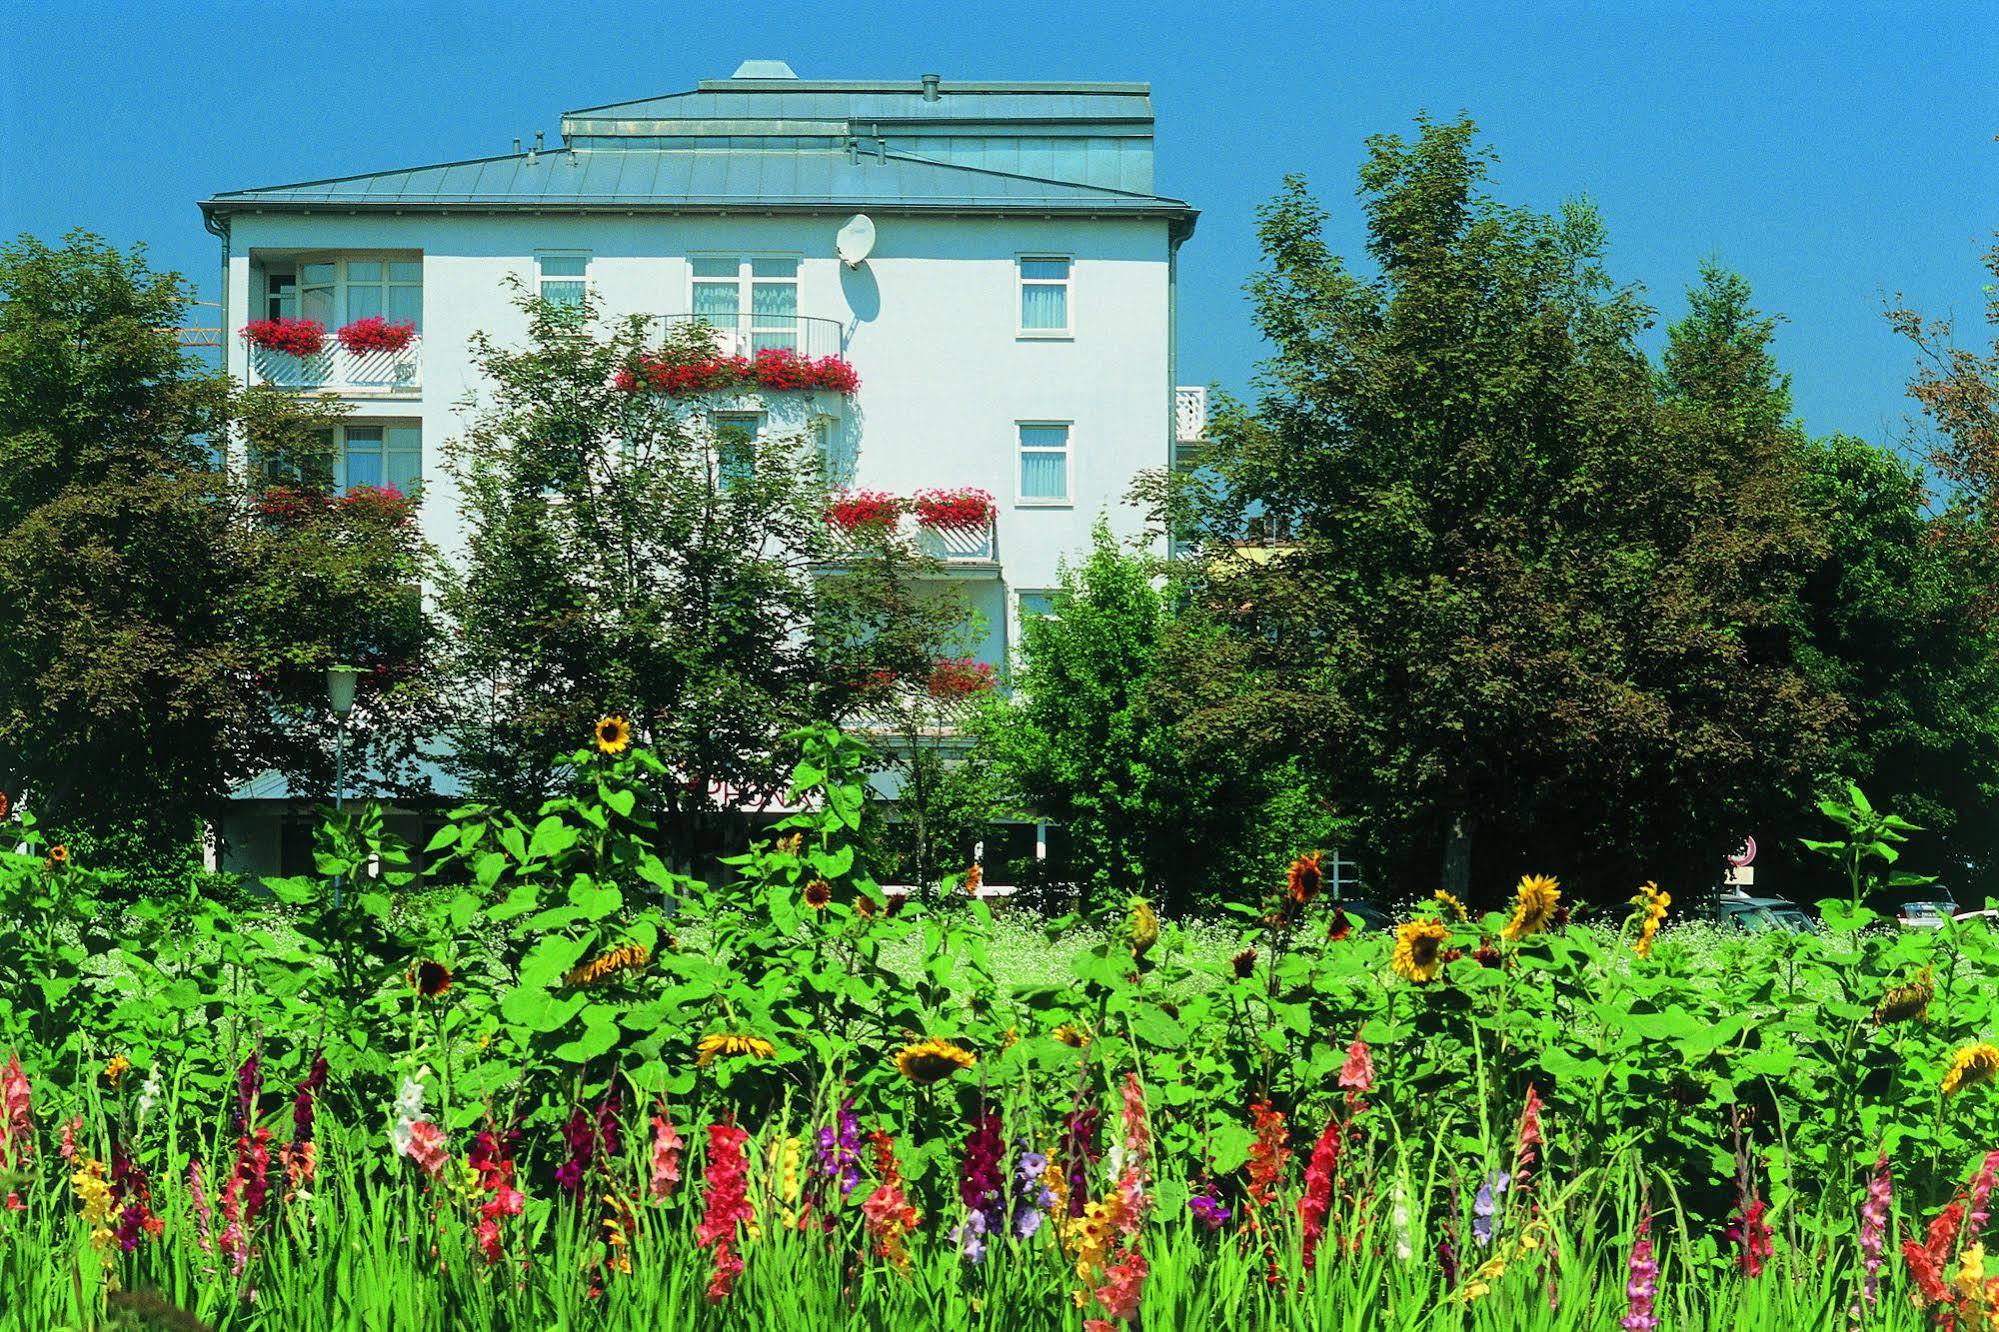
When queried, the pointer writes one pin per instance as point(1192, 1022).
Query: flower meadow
point(530, 1076)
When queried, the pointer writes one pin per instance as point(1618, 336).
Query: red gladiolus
point(17, 1124)
point(292, 337)
point(376, 334)
point(489, 1160)
point(1317, 1199)
point(726, 1204)
point(1752, 1232)
point(1268, 1155)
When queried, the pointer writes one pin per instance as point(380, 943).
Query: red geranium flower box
point(959, 678)
point(376, 334)
point(384, 502)
point(864, 508)
point(292, 337)
point(953, 510)
point(779, 369)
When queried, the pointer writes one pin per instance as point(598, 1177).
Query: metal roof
point(698, 179)
point(756, 142)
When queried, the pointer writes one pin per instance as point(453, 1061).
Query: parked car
point(1753, 914)
point(1928, 907)
point(1366, 914)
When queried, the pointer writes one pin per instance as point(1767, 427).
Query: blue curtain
point(1044, 306)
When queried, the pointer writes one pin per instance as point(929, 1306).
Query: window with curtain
point(391, 288)
point(1036, 605)
point(317, 284)
point(753, 301)
point(1044, 462)
point(1044, 294)
point(562, 277)
point(736, 445)
point(281, 296)
point(379, 455)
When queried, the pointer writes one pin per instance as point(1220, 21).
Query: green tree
point(624, 555)
point(155, 652)
point(1502, 590)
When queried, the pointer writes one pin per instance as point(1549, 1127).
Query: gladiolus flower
point(666, 1146)
point(427, 1147)
point(726, 1205)
point(1357, 1073)
point(1874, 1226)
point(1641, 1285)
point(1267, 1155)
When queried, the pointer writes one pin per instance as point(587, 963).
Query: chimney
point(535, 152)
point(517, 145)
point(930, 84)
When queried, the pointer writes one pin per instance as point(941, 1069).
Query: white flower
point(1399, 1219)
point(149, 1095)
point(407, 1110)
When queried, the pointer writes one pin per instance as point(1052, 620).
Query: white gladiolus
point(149, 1095)
point(1399, 1219)
point(407, 1110)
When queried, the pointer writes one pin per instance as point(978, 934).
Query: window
point(281, 296)
point(562, 277)
point(752, 302)
point(336, 292)
point(1044, 462)
point(1044, 296)
point(383, 455)
point(1036, 605)
point(736, 445)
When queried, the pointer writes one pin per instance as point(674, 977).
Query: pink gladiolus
point(1641, 1287)
point(1981, 1189)
point(202, 1211)
point(1124, 1285)
point(1874, 1225)
point(427, 1147)
point(666, 1146)
point(1357, 1073)
point(17, 1124)
point(67, 1147)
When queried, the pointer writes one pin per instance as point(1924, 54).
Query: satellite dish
point(856, 240)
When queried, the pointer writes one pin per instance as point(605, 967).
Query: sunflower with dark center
point(1244, 963)
point(614, 735)
point(932, 1060)
point(430, 978)
point(58, 855)
point(817, 894)
point(1305, 877)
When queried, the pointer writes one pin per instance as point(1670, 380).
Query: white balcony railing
point(1190, 413)
point(337, 370)
point(959, 551)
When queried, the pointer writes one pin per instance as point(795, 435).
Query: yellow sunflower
point(116, 1068)
point(614, 735)
point(1970, 1066)
point(1533, 906)
point(625, 957)
point(1447, 901)
point(1419, 950)
point(58, 855)
point(932, 1060)
point(1906, 1001)
point(817, 894)
point(731, 1043)
point(1651, 902)
point(1141, 926)
point(1071, 1035)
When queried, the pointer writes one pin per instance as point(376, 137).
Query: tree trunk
point(1457, 855)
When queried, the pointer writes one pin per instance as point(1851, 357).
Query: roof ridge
point(1017, 175)
point(395, 171)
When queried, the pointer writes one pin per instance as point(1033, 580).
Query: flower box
point(864, 509)
point(289, 337)
point(376, 334)
point(386, 503)
point(959, 678)
point(960, 510)
point(778, 369)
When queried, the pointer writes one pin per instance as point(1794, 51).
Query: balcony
point(337, 370)
point(960, 552)
point(748, 334)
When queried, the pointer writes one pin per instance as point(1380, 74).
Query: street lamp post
point(340, 682)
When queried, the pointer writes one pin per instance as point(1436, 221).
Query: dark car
point(1366, 915)
point(1751, 915)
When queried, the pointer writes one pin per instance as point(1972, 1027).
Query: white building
point(1012, 325)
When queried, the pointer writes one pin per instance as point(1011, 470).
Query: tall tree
point(625, 556)
point(155, 652)
point(1502, 593)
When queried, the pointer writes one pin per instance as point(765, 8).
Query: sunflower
point(975, 879)
point(1906, 1001)
point(1244, 963)
point(614, 735)
point(1447, 901)
point(817, 894)
point(1304, 878)
point(1970, 1066)
point(430, 978)
point(1071, 1035)
point(1141, 926)
point(58, 855)
point(1534, 906)
point(6, 805)
point(932, 1060)
point(116, 1068)
point(625, 957)
point(864, 906)
point(731, 1043)
point(1651, 902)
point(1418, 950)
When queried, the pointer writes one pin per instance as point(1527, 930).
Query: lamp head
point(340, 682)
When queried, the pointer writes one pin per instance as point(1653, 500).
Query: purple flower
point(1485, 1204)
point(1031, 1195)
point(580, 1135)
point(840, 1149)
point(1209, 1210)
point(1079, 1152)
point(970, 1237)
point(304, 1105)
point(981, 1179)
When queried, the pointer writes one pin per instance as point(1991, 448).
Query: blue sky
point(1834, 153)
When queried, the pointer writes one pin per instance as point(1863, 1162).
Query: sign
point(1739, 876)
point(1745, 855)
